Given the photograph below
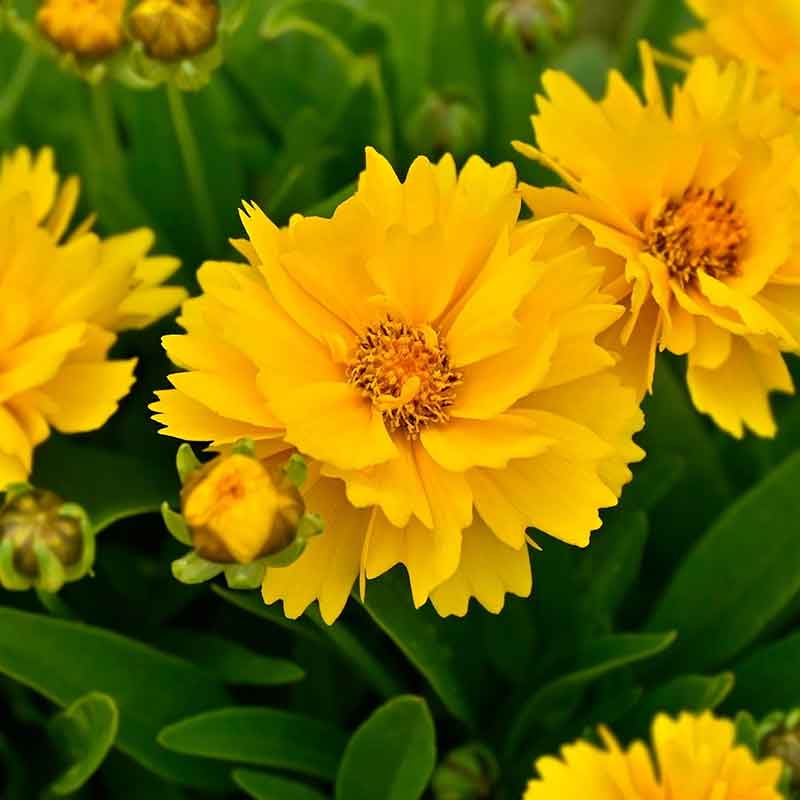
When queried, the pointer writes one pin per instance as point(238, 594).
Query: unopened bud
point(530, 25)
point(238, 512)
point(781, 739)
point(445, 124)
point(467, 773)
point(44, 542)
point(171, 30)
point(90, 29)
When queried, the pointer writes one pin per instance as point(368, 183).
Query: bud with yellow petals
point(88, 29)
point(44, 542)
point(171, 30)
point(239, 515)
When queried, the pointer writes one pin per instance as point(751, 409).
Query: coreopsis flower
point(761, 32)
point(437, 367)
point(64, 299)
point(692, 757)
point(88, 29)
point(696, 215)
point(174, 29)
point(44, 542)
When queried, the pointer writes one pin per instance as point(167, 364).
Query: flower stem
point(108, 134)
point(11, 96)
point(194, 168)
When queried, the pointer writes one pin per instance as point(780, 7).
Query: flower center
point(702, 231)
point(405, 371)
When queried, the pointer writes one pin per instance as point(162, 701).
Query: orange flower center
point(703, 231)
point(405, 371)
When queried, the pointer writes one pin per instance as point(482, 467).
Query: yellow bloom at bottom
point(87, 28)
point(696, 758)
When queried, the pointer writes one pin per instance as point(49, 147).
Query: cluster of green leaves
point(686, 599)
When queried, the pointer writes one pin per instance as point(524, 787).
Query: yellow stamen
point(701, 232)
point(405, 371)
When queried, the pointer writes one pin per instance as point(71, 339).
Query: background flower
point(697, 208)
point(64, 302)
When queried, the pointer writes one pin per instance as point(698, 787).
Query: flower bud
point(781, 739)
point(90, 29)
point(467, 773)
point(238, 512)
point(445, 124)
point(530, 25)
point(44, 542)
point(171, 30)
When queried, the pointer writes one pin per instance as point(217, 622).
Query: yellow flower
point(437, 367)
point(696, 758)
point(237, 511)
point(761, 32)
point(697, 217)
point(87, 28)
point(174, 29)
point(63, 302)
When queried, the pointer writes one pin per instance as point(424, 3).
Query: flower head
point(237, 511)
point(44, 542)
point(174, 29)
point(64, 301)
point(761, 32)
point(695, 212)
point(87, 28)
point(695, 757)
point(437, 366)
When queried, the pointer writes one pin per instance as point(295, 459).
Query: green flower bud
point(44, 542)
point(780, 738)
point(445, 123)
point(467, 773)
point(530, 25)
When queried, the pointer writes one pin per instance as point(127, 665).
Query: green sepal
point(311, 524)
point(747, 732)
point(245, 576)
point(15, 490)
point(193, 569)
point(467, 773)
point(9, 577)
point(245, 447)
point(176, 524)
point(186, 461)
point(296, 470)
point(287, 556)
point(51, 571)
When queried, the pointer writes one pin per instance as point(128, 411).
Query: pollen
point(701, 232)
point(405, 372)
point(86, 28)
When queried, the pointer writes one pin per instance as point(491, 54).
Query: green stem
point(103, 111)
point(194, 168)
point(10, 98)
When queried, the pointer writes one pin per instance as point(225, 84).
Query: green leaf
point(228, 660)
point(264, 737)
point(262, 786)
point(740, 575)
point(84, 733)
point(659, 21)
point(313, 628)
point(151, 689)
point(686, 693)
point(545, 708)
point(110, 485)
point(421, 635)
point(768, 679)
point(392, 755)
point(652, 481)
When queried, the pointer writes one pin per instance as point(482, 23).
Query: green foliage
point(391, 755)
point(130, 685)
